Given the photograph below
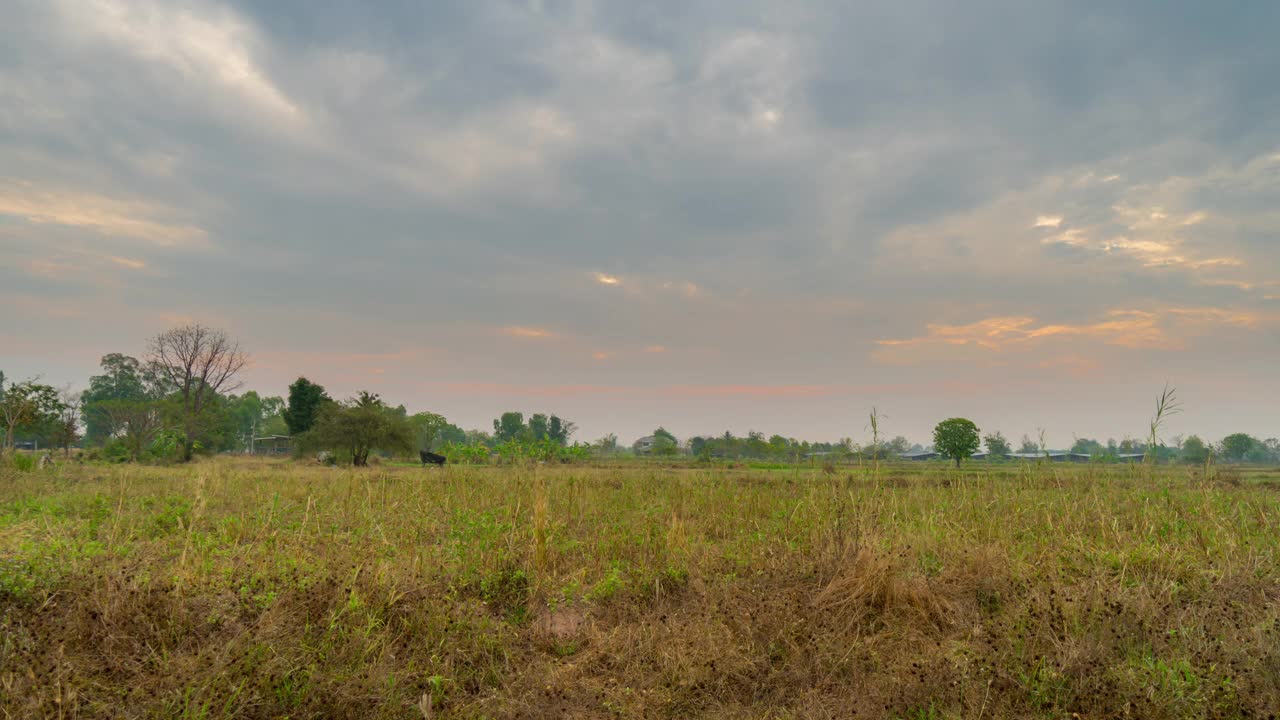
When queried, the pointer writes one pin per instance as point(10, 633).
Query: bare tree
point(66, 430)
point(197, 363)
point(134, 422)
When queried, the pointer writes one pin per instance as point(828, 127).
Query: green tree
point(997, 445)
point(607, 445)
point(245, 418)
point(664, 443)
point(561, 430)
point(538, 428)
point(1194, 451)
point(1085, 446)
point(123, 378)
point(898, 446)
point(428, 429)
point(956, 438)
point(26, 405)
point(508, 428)
point(198, 363)
point(1027, 446)
point(305, 400)
point(357, 427)
point(1236, 448)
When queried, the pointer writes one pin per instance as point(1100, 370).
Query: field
point(269, 589)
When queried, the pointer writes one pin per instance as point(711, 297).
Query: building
point(644, 444)
point(1052, 456)
point(918, 456)
point(273, 445)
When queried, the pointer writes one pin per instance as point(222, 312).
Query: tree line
point(180, 400)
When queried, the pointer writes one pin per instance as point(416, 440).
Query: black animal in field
point(430, 458)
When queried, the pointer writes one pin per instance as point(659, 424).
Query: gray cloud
point(776, 188)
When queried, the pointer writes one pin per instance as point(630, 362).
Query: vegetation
point(262, 589)
point(355, 428)
point(957, 439)
point(195, 364)
point(997, 445)
point(305, 400)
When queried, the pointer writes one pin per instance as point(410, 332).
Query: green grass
point(251, 588)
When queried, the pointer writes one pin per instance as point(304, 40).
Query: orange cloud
point(1125, 328)
point(604, 279)
point(518, 331)
point(128, 262)
point(655, 349)
point(101, 214)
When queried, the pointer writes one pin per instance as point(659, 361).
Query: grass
point(265, 589)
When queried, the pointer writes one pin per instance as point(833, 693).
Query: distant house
point(1131, 457)
point(920, 456)
point(273, 445)
point(1053, 456)
point(644, 444)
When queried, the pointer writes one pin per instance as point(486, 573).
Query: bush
point(23, 462)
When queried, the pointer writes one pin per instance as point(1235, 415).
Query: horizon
point(687, 215)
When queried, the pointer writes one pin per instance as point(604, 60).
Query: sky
point(705, 215)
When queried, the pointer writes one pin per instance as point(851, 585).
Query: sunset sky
point(740, 215)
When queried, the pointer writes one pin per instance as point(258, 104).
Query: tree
point(357, 427)
point(956, 438)
point(898, 446)
point(997, 445)
point(427, 428)
point(305, 400)
point(1085, 446)
point(509, 427)
point(1236, 448)
point(198, 363)
point(123, 378)
point(1027, 446)
point(244, 415)
point(538, 427)
point(664, 443)
point(1194, 451)
point(66, 428)
point(25, 404)
point(136, 423)
point(607, 445)
point(561, 430)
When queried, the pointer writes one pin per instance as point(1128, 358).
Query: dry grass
point(263, 589)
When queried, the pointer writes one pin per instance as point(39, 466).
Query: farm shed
point(273, 445)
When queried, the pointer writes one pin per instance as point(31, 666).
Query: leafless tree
point(135, 422)
point(66, 430)
point(197, 363)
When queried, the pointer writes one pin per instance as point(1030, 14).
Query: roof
point(273, 437)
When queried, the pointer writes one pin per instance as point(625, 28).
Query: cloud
point(104, 215)
point(1167, 329)
point(203, 44)
point(129, 263)
point(655, 349)
point(533, 333)
point(746, 178)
